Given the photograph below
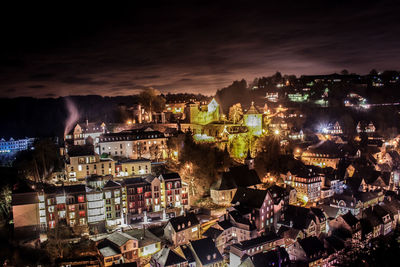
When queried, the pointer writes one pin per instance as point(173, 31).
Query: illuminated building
point(15, 145)
point(134, 144)
point(129, 167)
point(113, 203)
point(253, 120)
point(86, 133)
point(167, 257)
point(65, 203)
point(272, 96)
point(307, 182)
point(118, 247)
point(28, 214)
point(370, 128)
point(180, 230)
point(205, 253)
point(324, 154)
point(333, 129)
point(197, 114)
point(257, 205)
point(298, 97)
point(83, 162)
point(224, 190)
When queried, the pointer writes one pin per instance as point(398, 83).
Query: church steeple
point(249, 161)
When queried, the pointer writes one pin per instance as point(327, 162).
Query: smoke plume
point(73, 116)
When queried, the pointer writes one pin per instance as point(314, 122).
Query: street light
point(276, 132)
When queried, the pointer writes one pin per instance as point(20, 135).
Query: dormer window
point(179, 227)
point(189, 224)
point(183, 225)
point(214, 256)
point(208, 257)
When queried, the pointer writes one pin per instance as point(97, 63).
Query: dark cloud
point(192, 46)
point(37, 86)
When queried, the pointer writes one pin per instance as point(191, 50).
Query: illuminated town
point(277, 169)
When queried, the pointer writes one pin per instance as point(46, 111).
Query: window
point(140, 190)
point(82, 213)
point(81, 199)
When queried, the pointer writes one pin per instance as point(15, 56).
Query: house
point(82, 162)
point(186, 252)
point(324, 154)
point(167, 258)
point(349, 223)
point(28, 215)
point(109, 256)
point(132, 167)
point(260, 205)
point(113, 203)
point(148, 243)
point(276, 257)
point(205, 253)
point(86, 133)
point(311, 222)
point(309, 250)
point(223, 191)
point(231, 228)
point(121, 245)
point(254, 246)
point(134, 144)
point(307, 180)
point(379, 214)
point(334, 247)
point(180, 230)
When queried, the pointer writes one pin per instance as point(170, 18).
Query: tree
point(235, 112)
point(152, 101)
point(344, 72)
point(373, 72)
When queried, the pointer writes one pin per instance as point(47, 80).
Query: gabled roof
point(180, 223)
point(206, 251)
point(350, 219)
point(213, 233)
point(145, 237)
point(252, 198)
point(276, 257)
point(119, 238)
point(108, 252)
point(312, 246)
point(239, 176)
point(111, 184)
point(171, 176)
point(258, 241)
point(187, 253)
point(84, 150)
point(167, 257)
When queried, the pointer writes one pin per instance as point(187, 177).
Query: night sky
point(51, 51)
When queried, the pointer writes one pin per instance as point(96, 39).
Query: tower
point(249, 161)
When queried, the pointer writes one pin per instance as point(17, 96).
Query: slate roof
point(312, 246)
point(238, 176)
point(78, 188)
point(299, 216)
point(119, 238)
point(258, 241)
point(252, 198)
point(171, 176)
point(84, 150)
point(167, 257)
point(184, 220)
point(276, 257)
point(144, 239)
point(108, 252)
point(111, 184)
point(287, 232)
point(213, 233)
point(350, 219)
point(205, 248)
point(188, 253)
point(334, 244)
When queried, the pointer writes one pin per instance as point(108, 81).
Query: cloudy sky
point(189, 46)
